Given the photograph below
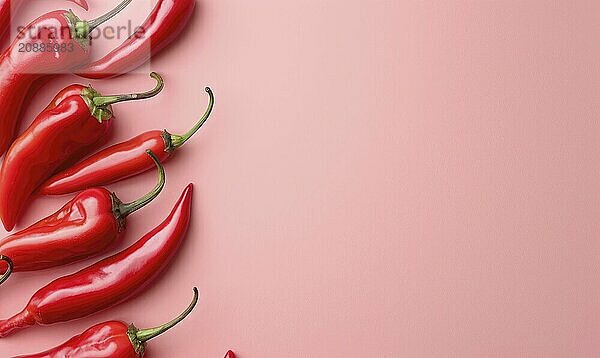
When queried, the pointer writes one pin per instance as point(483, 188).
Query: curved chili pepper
point(57, 138)
point(120, 161)
point(113, 339)
point(87, 225)
point(110, 281)
point(66, 36)
point(166, 22)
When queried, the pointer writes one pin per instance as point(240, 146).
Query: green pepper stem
point(128, 208)
point(145, 335)
point(9, 270)
point(92, 24)
point(103, 101)
point(179, 140)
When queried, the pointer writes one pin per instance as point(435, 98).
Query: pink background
point(379, 178)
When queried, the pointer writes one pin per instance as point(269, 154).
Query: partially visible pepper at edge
point(165, 24)
point(113, 339)
point(9, 7)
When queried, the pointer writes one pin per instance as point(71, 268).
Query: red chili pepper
point(120, 161)
point(230, 354)
point(6, 9)
point(110, 281)
point(113, 339)
point(55, 42)
point(87, 225)
point(9, 7)
point(167, 20)
point(59, 136)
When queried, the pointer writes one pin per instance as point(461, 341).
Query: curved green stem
point(128, 208)
point(144, 335)
point(9, 270)
point(179, 140)
point(83, 28)
point(109, 15)
point(103, 101)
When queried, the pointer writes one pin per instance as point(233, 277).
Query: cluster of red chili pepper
point(76, 123)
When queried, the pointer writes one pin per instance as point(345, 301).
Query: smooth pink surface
point(379, 179)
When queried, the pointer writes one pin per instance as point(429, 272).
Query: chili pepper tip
point(82, 3)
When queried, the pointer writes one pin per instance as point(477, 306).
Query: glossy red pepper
point(120, 161)
point(60, 136)
point(113, 339)
point(230, 354)
point(6, 9)
point(65, 40)
point(110, 281)
point(87, 225)
point(166, 22)
point(9, 7)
